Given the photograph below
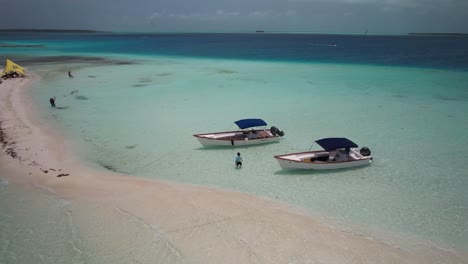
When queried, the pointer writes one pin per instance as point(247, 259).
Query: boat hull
point(311, 160)
point(235, 138)
point(288, 164)
point(206, 142)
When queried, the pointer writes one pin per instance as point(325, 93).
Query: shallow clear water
point(140, 118)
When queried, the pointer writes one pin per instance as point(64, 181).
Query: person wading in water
point(238, 160)
point(52, 101)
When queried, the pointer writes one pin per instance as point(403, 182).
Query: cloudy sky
point(343, 16)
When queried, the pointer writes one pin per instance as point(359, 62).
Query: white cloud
point(221, 14)
point(395, 3)
point(257, 14)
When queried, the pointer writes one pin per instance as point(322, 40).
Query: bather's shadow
point(62, 107)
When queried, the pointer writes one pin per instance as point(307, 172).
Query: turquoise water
point(405, 99)
point(139, 119)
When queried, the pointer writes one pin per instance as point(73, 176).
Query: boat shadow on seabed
point(295, 172)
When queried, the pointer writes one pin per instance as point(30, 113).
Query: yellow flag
point(13, 67)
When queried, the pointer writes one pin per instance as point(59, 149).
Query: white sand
point(123, 219)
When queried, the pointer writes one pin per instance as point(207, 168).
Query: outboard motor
point(365, 151)
point(276, 132)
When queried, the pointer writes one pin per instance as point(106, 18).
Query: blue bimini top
point(329, 144)
point(251, 122)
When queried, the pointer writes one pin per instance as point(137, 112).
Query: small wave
point(45, 188)
point(62, 202)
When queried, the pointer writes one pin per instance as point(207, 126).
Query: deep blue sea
point(448, 52)
point(138, 99)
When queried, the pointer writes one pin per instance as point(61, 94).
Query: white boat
point(242, 137)
point(338, 153)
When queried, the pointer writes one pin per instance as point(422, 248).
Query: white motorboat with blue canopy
point(251, 133)
point(338, 153)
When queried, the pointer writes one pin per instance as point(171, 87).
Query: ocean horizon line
point(254, 31)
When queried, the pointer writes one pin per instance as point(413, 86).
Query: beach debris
point(44, 171)
point(2, 136)
point(12, 153)
point(52, 169)
point(74, 91)
point(91, 76)
point(62, 175)
point(130, 147)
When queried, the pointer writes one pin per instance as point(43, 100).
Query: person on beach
point(252, 134)
point(69, 74)
point(52, 101)
point(238, 160)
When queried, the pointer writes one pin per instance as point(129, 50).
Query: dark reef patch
point(81, 97)
point(108, 167)
point(145, 80)
point(7, 45)
point(449, 98)
point(224, 71)
point(41, 60)
point(139, 85)
point(164, 74)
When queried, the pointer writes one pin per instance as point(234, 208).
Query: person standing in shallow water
point(238, 160)
point(52, 101)
point(69, 74)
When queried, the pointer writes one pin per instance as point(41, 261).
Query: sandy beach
point(136, 220)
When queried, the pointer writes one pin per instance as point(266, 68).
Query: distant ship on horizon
point(260, 31)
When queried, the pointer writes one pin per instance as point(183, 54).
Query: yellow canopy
point(13, 67)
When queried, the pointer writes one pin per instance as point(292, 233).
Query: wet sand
point(121, 219)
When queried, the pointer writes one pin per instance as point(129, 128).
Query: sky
point(320, 16)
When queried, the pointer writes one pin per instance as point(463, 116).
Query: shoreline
point(198, 224)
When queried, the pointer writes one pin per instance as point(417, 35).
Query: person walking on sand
point(69, 74)
point(238, 160)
